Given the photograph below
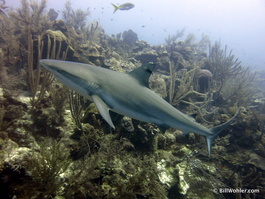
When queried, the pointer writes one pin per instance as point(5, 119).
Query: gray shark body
point(127, 94)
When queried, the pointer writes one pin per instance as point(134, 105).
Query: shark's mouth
point(74, 81)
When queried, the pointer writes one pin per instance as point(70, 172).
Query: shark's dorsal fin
point(143, 73)
point(103, 109)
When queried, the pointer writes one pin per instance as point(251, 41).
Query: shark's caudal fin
point(115, 7)
point(218, 129)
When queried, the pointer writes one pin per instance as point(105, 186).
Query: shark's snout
point(45, 63)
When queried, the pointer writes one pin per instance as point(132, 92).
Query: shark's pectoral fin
point(103, 109)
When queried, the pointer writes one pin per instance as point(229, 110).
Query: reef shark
point(127, 94)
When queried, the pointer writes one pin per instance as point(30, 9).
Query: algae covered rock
point(166, 174)
point(129, 37)
point(56, 34)
point(163, 63)
point(146, 57)
point(158, 85)
point(93, 52)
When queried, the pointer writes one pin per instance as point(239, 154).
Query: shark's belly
point(145, 105)
point(139, 103)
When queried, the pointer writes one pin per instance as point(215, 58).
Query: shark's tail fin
point(218, 129)
point(115, 7)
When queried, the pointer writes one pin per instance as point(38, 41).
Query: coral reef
point(55, 144)
point(129, 37)
point(228, 72)
point(74, 18)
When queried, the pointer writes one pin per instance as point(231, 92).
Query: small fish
point(125, 6)
point(2, 10)
point(3, 6)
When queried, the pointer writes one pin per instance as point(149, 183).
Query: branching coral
point(59, 96)
point(129, 37)
point(38, 87)
point(181, 90)
point(76, 107)
point(88, 32)
point(240, 88)
point(30, 18)
point(74, 18)
point(11, 55)
point(248, 178)
point(224, 67)
point(112, 172)
point(25, 41)
point(113, 165)
point(173, 38)
point(47, 165)
point(181, 84)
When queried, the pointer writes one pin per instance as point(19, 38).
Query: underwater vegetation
point(55, 144)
